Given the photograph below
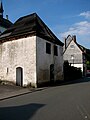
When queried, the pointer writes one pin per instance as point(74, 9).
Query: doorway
point(52, 73)
point(19, 76)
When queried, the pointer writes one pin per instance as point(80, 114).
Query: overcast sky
point(63, 17)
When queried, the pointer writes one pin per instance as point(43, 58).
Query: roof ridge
point(29, 23)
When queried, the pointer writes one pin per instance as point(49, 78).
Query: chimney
point(65, 43)
point(7, 17)
point(74, 38)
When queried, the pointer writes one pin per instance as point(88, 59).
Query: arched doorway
point(19, 76)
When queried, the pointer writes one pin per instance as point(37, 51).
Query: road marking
point(83, 112)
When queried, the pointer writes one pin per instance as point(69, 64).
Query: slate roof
point(30, 25)
point(85, 51)
point(5, 23)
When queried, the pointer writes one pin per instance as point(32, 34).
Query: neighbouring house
point(30, 54)
point(76, 54)
point(88, 62)
point(4, 23)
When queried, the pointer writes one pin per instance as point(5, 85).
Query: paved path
point(7, 91)
point(66, 102)
point(10, 91)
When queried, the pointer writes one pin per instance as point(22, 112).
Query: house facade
point(4, 23)
point(30, 54)
point(75, 54)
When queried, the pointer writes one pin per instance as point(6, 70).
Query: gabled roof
point(30, 25)
point(74, 39)
point(82, 48)
point(75, 43)
point(5, 23)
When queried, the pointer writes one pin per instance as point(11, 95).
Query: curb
point(13, 94)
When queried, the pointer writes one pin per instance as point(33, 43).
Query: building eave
point(31, 24)
point(29, 34)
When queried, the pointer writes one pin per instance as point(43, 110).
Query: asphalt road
point(66, 102)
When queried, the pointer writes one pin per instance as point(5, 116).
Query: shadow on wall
point(24, 112)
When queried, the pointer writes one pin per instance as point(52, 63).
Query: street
point(66, 102)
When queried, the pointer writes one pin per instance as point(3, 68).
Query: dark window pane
point(48, 48)
point(56, 50)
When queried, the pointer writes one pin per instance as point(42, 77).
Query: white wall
point(44, 61)
point(82, 67)
point(77, 60)
point(29, 54)
point(76, 52)
point(18, 53)
point(78, 66)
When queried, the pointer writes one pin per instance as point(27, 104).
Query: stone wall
point(18, 53)
point(30, 55)
point(44, 61)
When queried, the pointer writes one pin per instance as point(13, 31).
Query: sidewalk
point(9, 91)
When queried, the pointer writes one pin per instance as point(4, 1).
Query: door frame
point(19, 76)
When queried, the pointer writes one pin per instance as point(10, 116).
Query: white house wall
point(77, 60)
point(82, 67)
point(76, 52)
point(18, 53)
point(78, 66)
point(44, 61)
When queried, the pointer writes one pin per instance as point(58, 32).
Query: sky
point(63, 17)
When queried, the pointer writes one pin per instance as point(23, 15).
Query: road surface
point(66, 102)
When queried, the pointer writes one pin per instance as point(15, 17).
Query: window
point(48, 48)
point(55, 50)
point(72, 46)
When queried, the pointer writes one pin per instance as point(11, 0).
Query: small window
point(48, 48)
point(72, 46)
point(55, 50)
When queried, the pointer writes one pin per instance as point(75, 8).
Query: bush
point(70, 72)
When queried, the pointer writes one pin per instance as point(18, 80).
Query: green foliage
point(88, 64)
